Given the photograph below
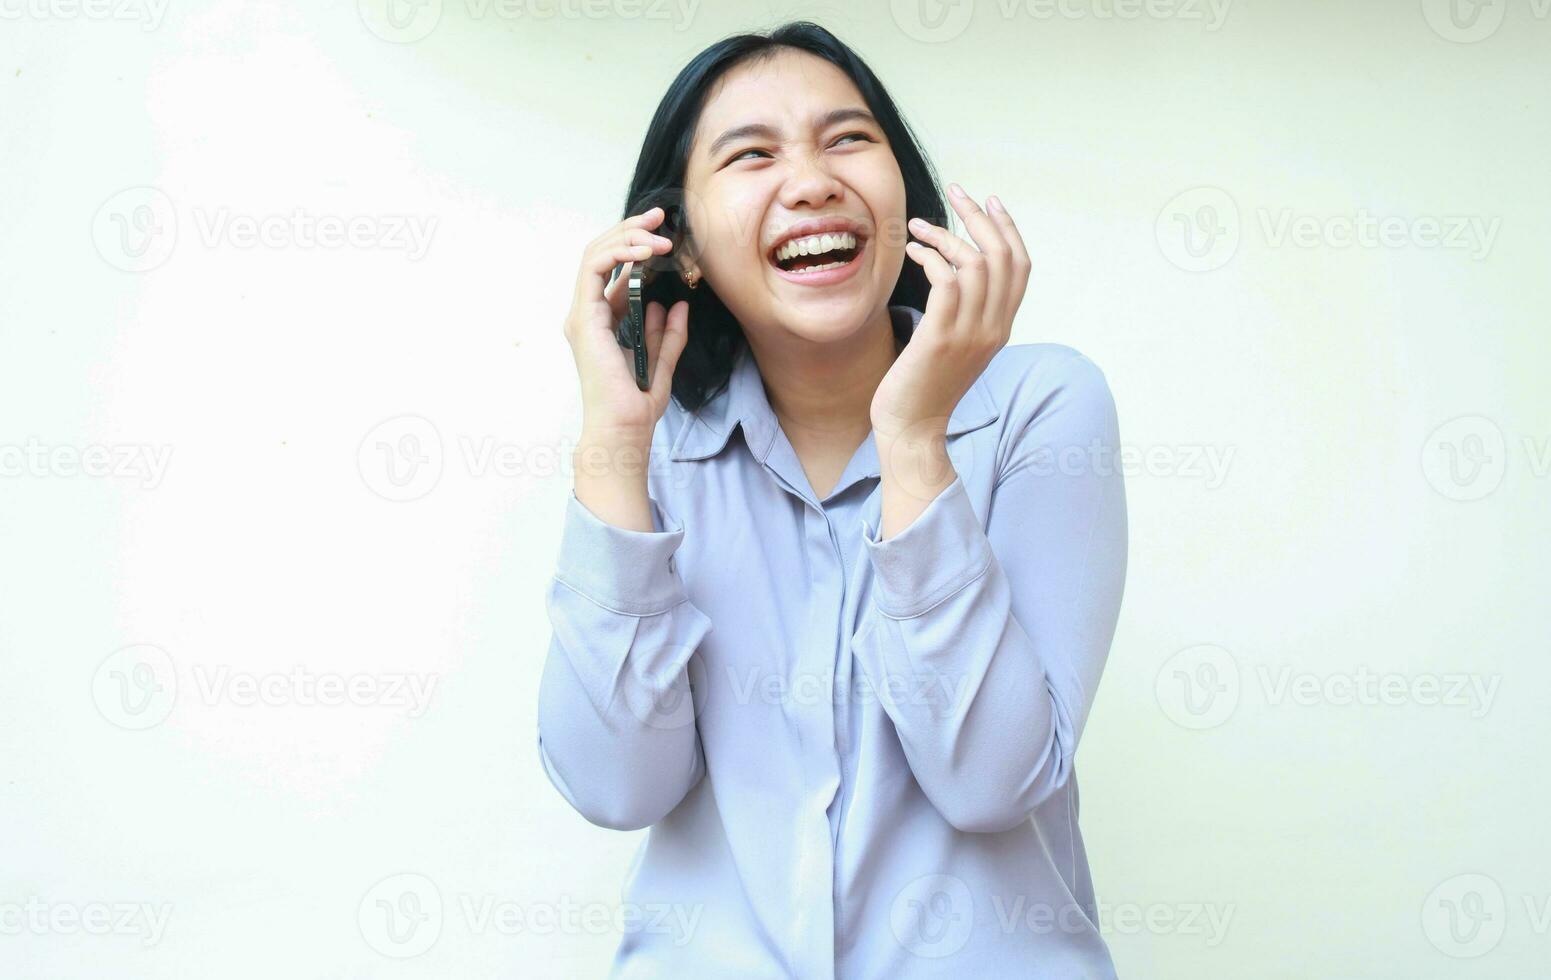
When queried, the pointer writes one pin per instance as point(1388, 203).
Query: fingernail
point(994, 204)
point(917, 224)
point(956, 190)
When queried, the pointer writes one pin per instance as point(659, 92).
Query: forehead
point(785, 90)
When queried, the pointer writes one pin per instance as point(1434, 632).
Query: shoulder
point(1027, 381)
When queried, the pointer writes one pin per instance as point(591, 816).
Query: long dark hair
point(715, 336)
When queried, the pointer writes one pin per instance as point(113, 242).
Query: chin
point(828, 319)
point(827, 314)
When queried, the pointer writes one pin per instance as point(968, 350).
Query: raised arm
point(1006, 627)
point(616, 723)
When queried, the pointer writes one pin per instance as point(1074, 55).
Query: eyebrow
point(768, 132)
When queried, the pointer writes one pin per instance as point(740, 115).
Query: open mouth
point(817, 253)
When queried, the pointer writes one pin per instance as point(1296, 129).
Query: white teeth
point(815, 245)
point(817, 268)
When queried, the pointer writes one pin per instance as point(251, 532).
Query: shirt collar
point(743, 401)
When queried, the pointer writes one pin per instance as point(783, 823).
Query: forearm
point(610, 479)
point(914, 469)
point(616, 724)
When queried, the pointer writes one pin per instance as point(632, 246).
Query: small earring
point(692, 280)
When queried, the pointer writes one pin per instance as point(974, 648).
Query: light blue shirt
point(855, 756)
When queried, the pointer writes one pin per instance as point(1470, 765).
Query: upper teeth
point(815, 245)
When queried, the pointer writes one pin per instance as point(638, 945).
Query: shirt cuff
point(940, 552)
point(623, 570)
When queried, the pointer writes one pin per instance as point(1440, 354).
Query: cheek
point(883, 192)
point(736, 218)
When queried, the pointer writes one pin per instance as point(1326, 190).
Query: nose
point(810, 184)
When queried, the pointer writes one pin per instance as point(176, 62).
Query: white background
point(1297, 530)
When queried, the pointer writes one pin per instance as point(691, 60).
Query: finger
point(988, 238)
point(592, 280)
point(675, 335)
point(630, 229)
point(650, 218)
point(944, 298)
point(617, 291)
point(655, 317)
point(986, 233)
point(968, 264)
point(644, 221)
point(599, 260)
point(1019, 264)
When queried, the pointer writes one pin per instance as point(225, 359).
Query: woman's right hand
point(613, 408)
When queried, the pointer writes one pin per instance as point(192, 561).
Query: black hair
point(715, 336)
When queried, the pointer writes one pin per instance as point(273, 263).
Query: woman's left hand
point(968, 318)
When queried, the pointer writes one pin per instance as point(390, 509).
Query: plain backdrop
point(285, 415)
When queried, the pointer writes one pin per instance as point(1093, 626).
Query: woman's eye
point(861, 136)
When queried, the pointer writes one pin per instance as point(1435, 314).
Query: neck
point(825, 391)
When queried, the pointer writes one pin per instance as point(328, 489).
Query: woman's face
point(787, 140)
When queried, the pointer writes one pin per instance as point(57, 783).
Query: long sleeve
point(617, 733)
point(992, 639)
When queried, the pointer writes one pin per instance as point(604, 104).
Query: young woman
point(834, 594)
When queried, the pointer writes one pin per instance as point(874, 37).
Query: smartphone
point(651, 280)
point(641, 276)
